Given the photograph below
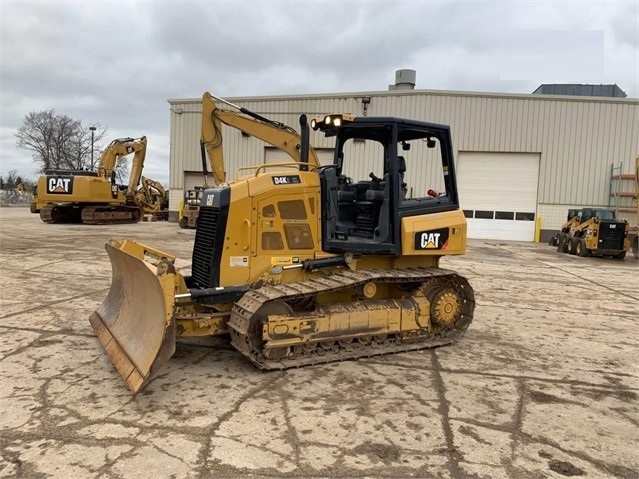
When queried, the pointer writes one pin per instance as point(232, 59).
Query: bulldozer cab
point(372, 183)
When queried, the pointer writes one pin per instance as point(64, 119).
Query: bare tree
point(58, 141)
point(122, 169)
point(12, 180)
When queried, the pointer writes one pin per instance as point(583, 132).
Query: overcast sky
point(117, 63)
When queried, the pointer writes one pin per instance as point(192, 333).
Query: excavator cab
point(367, 190)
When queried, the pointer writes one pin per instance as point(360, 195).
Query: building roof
point(575, 89)
point(418, 92)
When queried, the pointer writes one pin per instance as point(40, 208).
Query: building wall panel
point(577, 137)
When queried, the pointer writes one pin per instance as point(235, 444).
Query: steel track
point(245, 333)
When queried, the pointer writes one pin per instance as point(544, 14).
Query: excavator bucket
point(135, 322)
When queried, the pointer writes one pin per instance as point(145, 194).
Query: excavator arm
point(137, 164)
point(151, 194)
point(21, 189)
point(123, 147)
point(272, 132)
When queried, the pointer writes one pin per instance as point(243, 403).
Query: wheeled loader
point(309, 266)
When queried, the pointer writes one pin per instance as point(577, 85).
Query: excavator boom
point(274, 133)
point(122, 147)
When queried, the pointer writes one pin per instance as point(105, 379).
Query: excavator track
point(90, 215)
point(55, 214)
point(109, 215)
point(312, 333)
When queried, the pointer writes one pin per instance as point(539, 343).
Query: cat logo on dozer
point(433, 239)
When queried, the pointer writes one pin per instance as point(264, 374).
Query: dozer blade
point(135, 324)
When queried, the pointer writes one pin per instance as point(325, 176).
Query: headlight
point(330, 123)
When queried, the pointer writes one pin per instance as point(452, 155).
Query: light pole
point(92, 128)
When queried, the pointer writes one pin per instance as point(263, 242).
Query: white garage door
point(498, 193)
point(193, 179)
point(273, 155)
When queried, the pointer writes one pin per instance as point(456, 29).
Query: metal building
point(522, 160)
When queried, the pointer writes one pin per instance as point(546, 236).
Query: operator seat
point(401, 165)
point(401, 169)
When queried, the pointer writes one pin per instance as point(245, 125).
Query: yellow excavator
point(153, 197)
point(94, 197)
point(308, 266)
point(19, 195)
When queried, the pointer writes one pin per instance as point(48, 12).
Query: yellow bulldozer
point(94, 197)
point(299, 263)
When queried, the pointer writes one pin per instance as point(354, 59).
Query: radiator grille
point(205, 267)
point(611, 235)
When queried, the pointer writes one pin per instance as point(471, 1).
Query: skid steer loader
point(598, 233)
point(304, 266)
point(559, 239)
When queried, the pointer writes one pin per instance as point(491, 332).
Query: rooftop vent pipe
point(404, 80)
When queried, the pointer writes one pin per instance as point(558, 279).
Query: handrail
point(262, 168)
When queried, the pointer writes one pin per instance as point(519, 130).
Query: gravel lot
point(544, 384)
